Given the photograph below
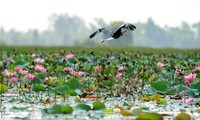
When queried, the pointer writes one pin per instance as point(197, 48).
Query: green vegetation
point(98, 49)
point(99, 82)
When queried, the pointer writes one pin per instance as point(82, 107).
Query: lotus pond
point(88, 83)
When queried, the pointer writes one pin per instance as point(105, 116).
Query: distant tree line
point(65, 30)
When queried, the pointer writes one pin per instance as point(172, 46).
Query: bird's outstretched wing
point(128, 26)
point(105, 30)
point(125, 27)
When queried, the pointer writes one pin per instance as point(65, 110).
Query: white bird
point(114, 35)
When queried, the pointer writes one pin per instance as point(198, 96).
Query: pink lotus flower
point(187, 81)
point(17, 68)
point(33, 55)
point(50, 78)
point(23, 71)
point(121, 68)
point(71, 71)
point(9, 60)
point(119, 75)
point(68, 57)
point(39, 60)
point(40, 68)
point(46, 78)
point(97, 69)
point(30, 76)
point(160, 64)
point(13, 80)
point(197, 68)
point(7, 73)
point(80, 74)
point(65, 69)
point(188, 100)
point(178, 71)
point(188, 78)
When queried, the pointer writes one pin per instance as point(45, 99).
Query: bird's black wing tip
point(132, 27)
point(92, 35)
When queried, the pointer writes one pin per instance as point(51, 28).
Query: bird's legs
point(102, 41)
point(124, 31)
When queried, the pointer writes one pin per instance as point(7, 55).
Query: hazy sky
point(33, 14)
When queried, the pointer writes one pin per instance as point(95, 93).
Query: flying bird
point(116, 34)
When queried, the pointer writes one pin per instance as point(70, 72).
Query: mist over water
point(65, 30)
point(171, 24)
